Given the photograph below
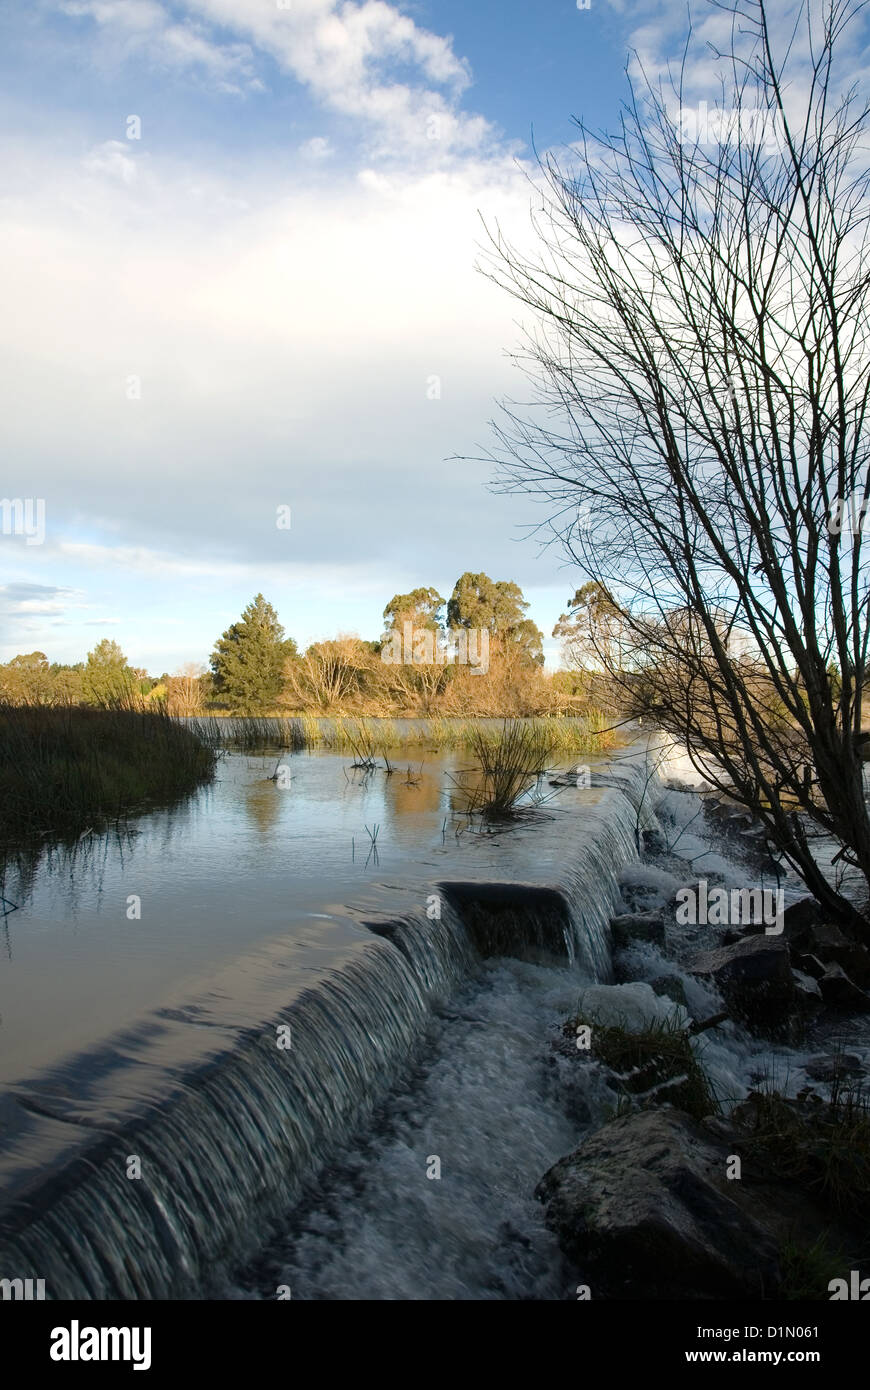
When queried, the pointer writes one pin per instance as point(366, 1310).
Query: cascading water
point(147, 1195)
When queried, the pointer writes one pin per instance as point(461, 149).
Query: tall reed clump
point(250, 735)
point(256, 734)
point(66, 770)
point(511, 761)
point(586, 733)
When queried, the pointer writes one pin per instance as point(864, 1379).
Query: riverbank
point(735, 1160)
point(67, 771)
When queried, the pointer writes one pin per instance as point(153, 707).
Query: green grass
point(808, 1269)
point(819, 1147)
point(653, 1065)
point(64, 771)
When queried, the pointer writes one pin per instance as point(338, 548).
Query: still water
point(124, 921)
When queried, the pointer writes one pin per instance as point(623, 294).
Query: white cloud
point(367, 61)
point(113, 159)
point(132, 28)
point(317, 148)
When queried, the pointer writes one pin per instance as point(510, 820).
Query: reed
point(250, 734)
point(587, 733)
point(67, 770)
point(511, 762)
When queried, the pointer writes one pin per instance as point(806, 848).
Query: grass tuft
point(652, 1065)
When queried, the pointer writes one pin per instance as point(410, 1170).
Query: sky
point(239, 287)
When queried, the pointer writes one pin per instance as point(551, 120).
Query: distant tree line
point(474, 653)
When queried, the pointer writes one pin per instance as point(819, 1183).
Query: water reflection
point(263, 803)
point(415, 788)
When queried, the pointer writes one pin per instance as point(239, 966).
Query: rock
point(643, 894)
point(754, 978)
point(833, 1066)
point(670, 987)
point(808, 1002)
point(839, 992)
point(832, 947)
point(799, 918)
point(645, 1210)
point(809, 934)
point(713, 879)
point(637, 926)
point(808, 983)
point(810, 965)
point(654, 842)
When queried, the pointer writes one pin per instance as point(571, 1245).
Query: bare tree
point(184, 691)
point(328, 677)
point(701, 365)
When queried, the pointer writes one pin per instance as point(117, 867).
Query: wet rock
point(832, 947)
point(841, 993)
point(670, 987)
point(833, 1066)
point(654, 842)
point(810, 965)
point(713, 879)
point(809, 935)
point(755, 979)
point(645, 1210)
point(799, 918)
point(808, 1002)
point(631, 927)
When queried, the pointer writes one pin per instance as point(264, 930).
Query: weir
point(134, 1168)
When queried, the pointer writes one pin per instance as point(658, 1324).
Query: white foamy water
point(484, 1100)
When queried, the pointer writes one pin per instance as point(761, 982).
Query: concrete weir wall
point(133, 1168)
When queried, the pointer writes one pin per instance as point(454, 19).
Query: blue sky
point(239, 276)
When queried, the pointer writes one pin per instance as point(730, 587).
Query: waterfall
point(225, 1146)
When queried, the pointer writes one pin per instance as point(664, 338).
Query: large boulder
point(645, 1210)
point(754, 977)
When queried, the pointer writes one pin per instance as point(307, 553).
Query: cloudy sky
point(238, 276)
